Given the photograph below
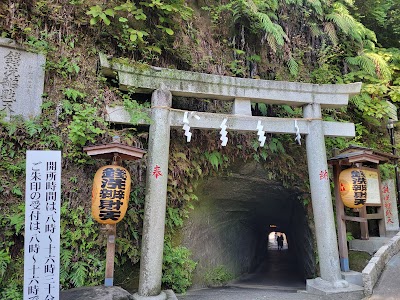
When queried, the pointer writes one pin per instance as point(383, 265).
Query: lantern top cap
point(358, 154)
point(108, 151)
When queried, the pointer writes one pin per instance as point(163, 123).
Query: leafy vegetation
point(307, 41)
point(217, 276)
point(177, 268)
point(128, 23)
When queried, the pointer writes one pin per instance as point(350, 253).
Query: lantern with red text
point(353, 187)
point(110, 194)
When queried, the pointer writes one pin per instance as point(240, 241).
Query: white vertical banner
point(42, 225)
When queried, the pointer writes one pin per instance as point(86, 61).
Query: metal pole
point(156, 198)
point(321, 198)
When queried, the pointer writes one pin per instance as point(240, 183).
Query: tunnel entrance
point(231, 225)
point(280, 269)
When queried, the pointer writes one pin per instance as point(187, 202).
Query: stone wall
point(302, 242)
point(373, 270)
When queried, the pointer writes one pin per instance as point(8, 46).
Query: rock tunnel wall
point(230, 223)
point(301, 239)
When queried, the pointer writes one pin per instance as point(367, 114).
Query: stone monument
point(390, 207)
point(21, 80)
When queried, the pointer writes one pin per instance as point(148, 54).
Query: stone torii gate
point(163, 83)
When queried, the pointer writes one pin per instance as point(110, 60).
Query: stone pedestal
point(338, 290)
point(164, 295)
point(353, 277)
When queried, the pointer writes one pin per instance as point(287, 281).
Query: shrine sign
point(42, 225)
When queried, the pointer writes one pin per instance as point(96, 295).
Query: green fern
point(251, 4)
point(382, 69)
point(330, 30)
point(341, 17)
point(364, 62)
point(371, 63)
point(4, 261)
point(272, 28)
point(18, 221)
point(316, 5)
point(78, 276)
point(271, 41)
point(13, 291)
point(260, 14)
point(360, 100)
point(293, 66)
point(65, 257)
point(32, 127)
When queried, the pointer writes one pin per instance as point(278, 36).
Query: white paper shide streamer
point(298, 136)
point(223, 133)
point(186, 127)
point(261, 134)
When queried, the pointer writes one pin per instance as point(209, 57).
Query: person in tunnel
point(280, 242)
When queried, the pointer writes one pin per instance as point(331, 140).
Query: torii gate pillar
point(156, 199)
point(322, 205)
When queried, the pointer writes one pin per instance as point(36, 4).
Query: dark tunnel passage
point(230, 225)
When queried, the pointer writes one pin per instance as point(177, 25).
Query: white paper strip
point(298, 136)
point(261, 134)
point(223, 133)
point(186, 127)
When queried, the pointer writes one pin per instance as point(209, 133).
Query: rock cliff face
point(231, 222)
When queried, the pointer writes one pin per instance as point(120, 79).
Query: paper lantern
point(110, 194)
point(353, 187)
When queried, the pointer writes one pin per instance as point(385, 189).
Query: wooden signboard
point(373, 189)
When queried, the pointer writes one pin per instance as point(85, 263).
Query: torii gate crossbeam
point(163, 83)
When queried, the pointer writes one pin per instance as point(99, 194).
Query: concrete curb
point(373, 270)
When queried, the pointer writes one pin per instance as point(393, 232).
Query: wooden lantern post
point(117, 152)
point(368, 160)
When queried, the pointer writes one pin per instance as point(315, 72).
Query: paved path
point(388, 286)
point(278, 271)
point(276, 279)
point(235, 293)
